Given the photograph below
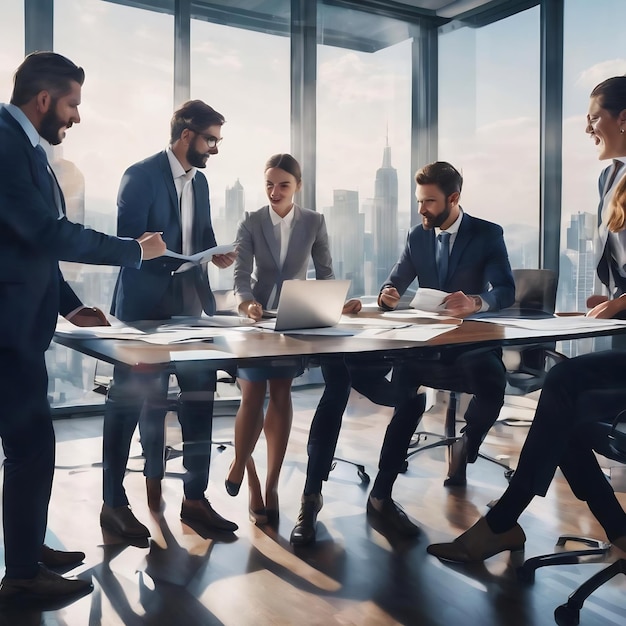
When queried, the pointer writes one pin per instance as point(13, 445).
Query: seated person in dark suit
point(474, 261)
point(577, 393)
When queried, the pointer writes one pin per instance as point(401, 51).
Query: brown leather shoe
point(479, 543)
point(45, 586)
point(202, 511)
point(154, 494)
point(121, 521)
point(58, 558)
point(391, 515)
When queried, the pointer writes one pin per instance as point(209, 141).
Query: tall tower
point(346, 228)
point(385, 222)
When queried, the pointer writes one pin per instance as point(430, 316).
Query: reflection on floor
point(352, 575)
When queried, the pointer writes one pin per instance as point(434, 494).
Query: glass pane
point(11, 44)
point(587, 62)
point(489, 125)
point(128, 57)
point(245, 75)
point(364, 180)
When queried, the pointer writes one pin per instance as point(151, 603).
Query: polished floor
point(353, 575)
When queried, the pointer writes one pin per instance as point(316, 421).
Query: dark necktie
point(443, 254)
point(55, 189)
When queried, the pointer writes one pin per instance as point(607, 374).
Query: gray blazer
point(257, 268)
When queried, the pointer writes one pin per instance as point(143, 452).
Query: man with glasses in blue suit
point(168, 192)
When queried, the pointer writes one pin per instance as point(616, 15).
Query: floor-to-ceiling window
point(593, 51)
point(11, 44)
point(128, 57)
point(489, 106)
point(363, 141)
point(245, 75)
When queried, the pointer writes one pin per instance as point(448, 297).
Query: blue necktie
point(55, 189)
point(443, 253)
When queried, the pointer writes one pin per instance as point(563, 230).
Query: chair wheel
point(565, 615)
point(405, 467)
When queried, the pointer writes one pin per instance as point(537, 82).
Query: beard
point(195, 158)
point(435, 221)
point(51, 124)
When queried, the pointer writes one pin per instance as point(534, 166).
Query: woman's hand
point(608, 309)
point(251, 309)
point(595, 300)
point(351, 306)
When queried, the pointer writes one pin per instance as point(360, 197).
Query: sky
point(489, 103)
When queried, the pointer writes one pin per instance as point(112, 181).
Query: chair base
point(569, 613)
point(526, 573)
point(360, 469)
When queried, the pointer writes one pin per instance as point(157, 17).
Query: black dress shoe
point(58, 558)
point(304, 530)
point(202, 511)
point(393, 517)
point(121, 521)
point(45, 586)
point(457, 464)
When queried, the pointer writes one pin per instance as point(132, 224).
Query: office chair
point(528, 366)
point(609, 440)
point(535, 296)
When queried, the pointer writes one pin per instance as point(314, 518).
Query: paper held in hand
point(199, 258)
point(428, 300)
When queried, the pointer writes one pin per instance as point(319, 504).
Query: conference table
point(235, 341)
point(225, 342)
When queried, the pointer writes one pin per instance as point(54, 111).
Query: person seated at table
point(478, 265)
point(577, 393)
point(606, 125)
point(167, 191)
point(274, 244)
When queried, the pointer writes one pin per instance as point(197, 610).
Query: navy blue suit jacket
point(147, 201)
point(33, 239)
point(478, 265)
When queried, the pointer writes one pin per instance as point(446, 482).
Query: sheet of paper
point(199, 257)
point(428, 299)
point(117, 330)
point(414, 313)
point(417, 332)
point(570, 322)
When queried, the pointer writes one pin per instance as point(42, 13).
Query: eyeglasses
point(211, 141)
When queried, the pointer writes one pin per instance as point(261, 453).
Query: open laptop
point(310, 304)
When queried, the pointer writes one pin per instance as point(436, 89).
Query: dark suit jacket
point(478, 265)
point(33, 239)
point(607, 263)
point(147, 201)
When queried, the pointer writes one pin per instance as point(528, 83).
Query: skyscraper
point(346, 228)
point(385, 222)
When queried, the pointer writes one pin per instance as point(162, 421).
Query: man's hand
point(224, 260)
point(459, 305)
point(252, 309)
point(152, 245)
point(390, 297)
point(607, 309)
point(88, 316)
point(351, 306)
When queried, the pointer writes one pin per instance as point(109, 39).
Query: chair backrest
point(535, 290)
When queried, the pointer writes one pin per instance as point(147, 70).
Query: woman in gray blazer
point(274, 244)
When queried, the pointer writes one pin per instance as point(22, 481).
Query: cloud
point(595, 74)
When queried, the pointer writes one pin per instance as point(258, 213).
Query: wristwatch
point(478, 301)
